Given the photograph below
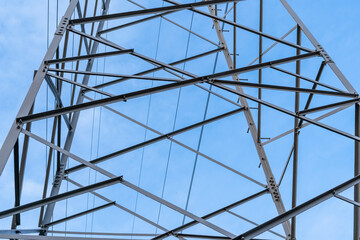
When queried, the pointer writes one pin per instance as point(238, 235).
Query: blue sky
point(325, 160)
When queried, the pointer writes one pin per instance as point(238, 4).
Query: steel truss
point(224, 85)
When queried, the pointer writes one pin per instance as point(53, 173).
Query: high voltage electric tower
point(154, 89)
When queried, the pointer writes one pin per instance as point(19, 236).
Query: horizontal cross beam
point(328, 106)
point(285, 88)
point(147, 11)
point(144, 92)
point(79, 215)
point(90, 56)
point(59, 197)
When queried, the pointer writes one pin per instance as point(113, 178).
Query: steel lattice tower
point(210, 87)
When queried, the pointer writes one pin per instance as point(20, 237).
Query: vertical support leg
point(16, 182)
point(260, 71)
point(357, 172)
point(22, 165)
point(234, 29)
point(296, 138)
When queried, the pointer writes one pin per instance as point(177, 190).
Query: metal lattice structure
point(214, 73)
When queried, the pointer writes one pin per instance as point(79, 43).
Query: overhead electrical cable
point(201, 130)
point(147, 121)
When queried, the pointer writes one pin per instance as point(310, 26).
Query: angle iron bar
point(192, 32)
point(273, 45)
point(310, 97)
point(253, 223)
point(286, 165)
point(307, 124)
point(104, 233)
point(79, 214)
point(356, 204)
point(68, 154)
point(229, 10)
point(96, 39)
point(118, 205)
point(58, 99)
point(295, 161)
point(22, 166)
point(307, 79)
point(125, 97)
point(78, 7)
point(18, 231)
point(212, 214)
point(146, 11)
point(328, 106)
point(187, 235)
point(264, 65)
point(298, 209)
point(16, 217)
point(112, 75)
point(24, 153)
point(153, 61)
point(245, 28)
point(285, 88)
point(356, 214)
point(35, 237)
point(59, 197)
point(89, 56)
point(109, 100)
point(135, 22)
point(83, 86)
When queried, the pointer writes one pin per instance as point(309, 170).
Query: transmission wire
point(98, 135)
point(175, 121)
point(147, 121)
point(91, 146)
point(201, 131)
